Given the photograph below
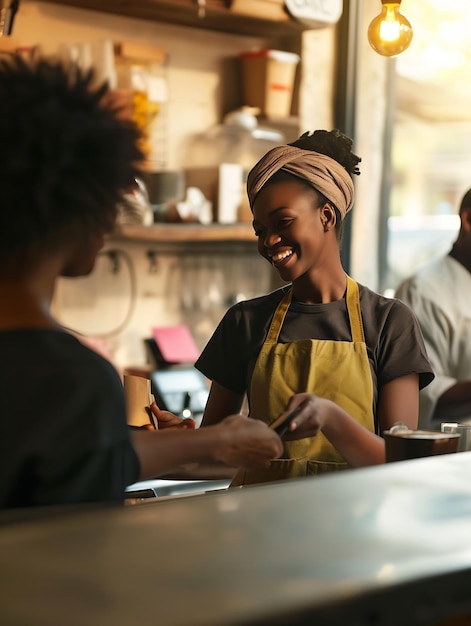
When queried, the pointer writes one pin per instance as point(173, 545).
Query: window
point(431, 140)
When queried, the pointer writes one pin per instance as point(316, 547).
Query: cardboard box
point(268, 81)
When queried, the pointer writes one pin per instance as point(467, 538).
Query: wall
point(119, 303)
point(117, 306)
point(201, 90)
point(195, 80)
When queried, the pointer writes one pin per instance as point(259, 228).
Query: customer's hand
point(246, 442)
point(166, 419)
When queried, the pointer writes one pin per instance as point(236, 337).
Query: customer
point(362, 355)
point(440, 296)
point(66, 159)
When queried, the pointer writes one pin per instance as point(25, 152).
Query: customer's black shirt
point(63, 432)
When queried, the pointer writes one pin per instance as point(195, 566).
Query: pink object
point(176, 344)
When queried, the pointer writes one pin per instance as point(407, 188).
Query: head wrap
point(324, 173)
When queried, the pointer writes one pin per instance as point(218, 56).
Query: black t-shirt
point(394, 342)
point(63, 432)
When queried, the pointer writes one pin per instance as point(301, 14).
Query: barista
point(353, 360)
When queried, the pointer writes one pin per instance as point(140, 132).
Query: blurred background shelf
point(185, 233)
point(216, 17)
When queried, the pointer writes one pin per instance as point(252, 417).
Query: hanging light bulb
point(390, 33)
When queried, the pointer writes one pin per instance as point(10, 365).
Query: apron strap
point(279, 317)
point(353, 309)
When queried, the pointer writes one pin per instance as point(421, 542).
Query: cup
point(403, 443)
point(463, 429)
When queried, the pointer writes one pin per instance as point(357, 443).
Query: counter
point(389, 545)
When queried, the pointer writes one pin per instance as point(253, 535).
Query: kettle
point(239, 139)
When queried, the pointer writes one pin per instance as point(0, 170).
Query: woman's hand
point(166, 419)
point(311, 417)
point(356, 444)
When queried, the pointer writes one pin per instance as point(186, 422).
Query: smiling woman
point(351, 360)
point(317, 178)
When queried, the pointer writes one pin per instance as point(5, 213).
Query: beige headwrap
point(324, 173)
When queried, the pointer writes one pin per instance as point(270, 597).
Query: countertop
point(389, 545)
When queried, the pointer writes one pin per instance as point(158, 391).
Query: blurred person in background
point(440, 296)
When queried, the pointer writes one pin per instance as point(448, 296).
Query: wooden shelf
point(185, 13)
point(186, 233)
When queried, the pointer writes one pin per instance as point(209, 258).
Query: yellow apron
point(336, 370)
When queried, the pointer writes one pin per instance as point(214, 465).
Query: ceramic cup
point(403, 443)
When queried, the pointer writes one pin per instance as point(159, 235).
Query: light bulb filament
point(390, 28)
